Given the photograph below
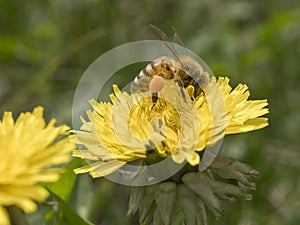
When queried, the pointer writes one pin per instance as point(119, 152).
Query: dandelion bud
point(233, 169)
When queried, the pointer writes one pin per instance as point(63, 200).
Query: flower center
point(147, 117)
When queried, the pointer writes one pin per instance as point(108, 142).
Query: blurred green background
point(45, 47)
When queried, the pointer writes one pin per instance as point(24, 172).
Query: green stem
point(16, 216)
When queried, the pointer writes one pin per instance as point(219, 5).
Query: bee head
point(187, 67)
point(190, 66)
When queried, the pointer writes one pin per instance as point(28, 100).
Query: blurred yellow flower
point(181, 125)
point(28, 149)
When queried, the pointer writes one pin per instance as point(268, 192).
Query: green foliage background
point(45, 46)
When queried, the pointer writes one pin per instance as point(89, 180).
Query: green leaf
point(64, 186)
point(67, 215)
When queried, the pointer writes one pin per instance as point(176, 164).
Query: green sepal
point(234, 169)
point(187, 201)
point(198, 184)
point(157, 218)
point(147, 205)
point(164, 197)
point(221, 189)
point(202, 215)
point(136, 194)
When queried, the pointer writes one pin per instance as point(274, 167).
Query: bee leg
point(154, 96)
point(181, 89)
point(198, 84)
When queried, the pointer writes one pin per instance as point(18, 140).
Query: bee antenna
point(162, 36)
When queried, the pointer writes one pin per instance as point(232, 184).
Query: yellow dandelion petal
point(241, 114)
point(4, 217)
point(23, 198)
point(99, 169)
point(106, 168)
point(85, 155)
point(7, 122)
point(178, 156)
point(86, 126)
point(194, 160)
point(29, 148)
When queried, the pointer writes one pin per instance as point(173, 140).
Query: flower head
point(29, 149)
point(179, 124)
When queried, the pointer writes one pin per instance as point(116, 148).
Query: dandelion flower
point(29, 149)
point(180, 125)
point(125, 130)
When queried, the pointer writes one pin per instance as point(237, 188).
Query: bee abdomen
point(159, 67)
point(141, 82)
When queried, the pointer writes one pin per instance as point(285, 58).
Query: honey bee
point(184, 70)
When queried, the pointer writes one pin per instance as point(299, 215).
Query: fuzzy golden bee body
point(184, 71)
point(159, 67)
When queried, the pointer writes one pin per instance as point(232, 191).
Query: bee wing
point(178, 40)
point(159, 33)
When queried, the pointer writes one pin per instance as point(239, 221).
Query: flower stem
point(17, 216)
